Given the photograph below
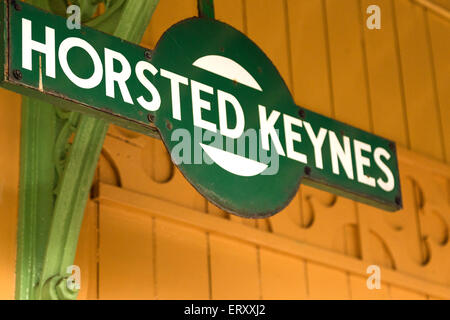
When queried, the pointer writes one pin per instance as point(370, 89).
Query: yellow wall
point(148, 234)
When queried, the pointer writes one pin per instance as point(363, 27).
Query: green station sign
point(216, 100)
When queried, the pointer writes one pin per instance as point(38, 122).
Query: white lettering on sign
point(317, 142)
point(237, 131)
point(227, 68)
point(96, 77)
point(153, 105)
point(292, 136)
point(268, 129)
point(121, 77)
point(362, 162)
point(198, 104)
point(233, 163)
point(175, 81)
point(342, 155)
point(390, 183)
point(345, 157)
point(28, 45)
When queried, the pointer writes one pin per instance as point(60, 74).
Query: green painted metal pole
point(37, 175)
point(37, 180)
point(55, 177)
point(206, 8)
point(77, 180)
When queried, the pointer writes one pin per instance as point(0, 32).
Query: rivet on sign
point(307, 170)
point(168, 125)
point(302, 113)
point(16, 5)
point(17, 74)
point(151, 117)
point(148, 55)
point(392, 146)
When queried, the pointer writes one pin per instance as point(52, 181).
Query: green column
point(206, 8)
point(56, 176)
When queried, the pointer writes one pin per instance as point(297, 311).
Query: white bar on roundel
point(227, 68)
point(235, 164)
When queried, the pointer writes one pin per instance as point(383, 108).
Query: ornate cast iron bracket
point(56, 176)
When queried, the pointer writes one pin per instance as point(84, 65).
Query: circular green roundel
point(223, 105)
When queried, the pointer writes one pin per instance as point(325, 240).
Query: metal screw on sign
point(151, 117)
point(302, 113)
point(16, 5)
point(392, 146)
point(169, 125)
point(307, 171)
point(17, 74)
point(148, 55)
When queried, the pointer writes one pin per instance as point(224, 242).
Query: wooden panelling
point(282, 277)
point(310, 55)
point(87, 257)
point(327, 283)
point(314, 213)
point(9, 183)
point(397, 293)
point(149, 170)
point(439, 30)
point(181, 262)
point(360, 291)
point(422, 111)
point(263, 239)
point(347, 63)
point(125, 255)
point(234, 269)
point(444, 4)
point(384, 77)
point(231, 12)
point(266, 26)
